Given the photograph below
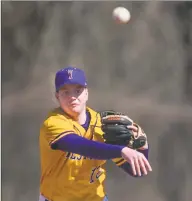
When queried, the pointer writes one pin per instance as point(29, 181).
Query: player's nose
point(72, 97)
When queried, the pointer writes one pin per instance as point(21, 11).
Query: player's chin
point(76, 109)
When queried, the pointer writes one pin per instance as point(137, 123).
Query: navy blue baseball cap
point(70, 75)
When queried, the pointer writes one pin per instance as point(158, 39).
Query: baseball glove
point(114, 125)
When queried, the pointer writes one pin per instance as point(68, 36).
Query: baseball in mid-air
point(121, 15)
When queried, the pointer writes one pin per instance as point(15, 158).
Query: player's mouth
point(73, 104)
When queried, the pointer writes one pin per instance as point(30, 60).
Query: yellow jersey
point(68, 176)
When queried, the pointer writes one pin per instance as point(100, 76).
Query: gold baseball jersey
point(68, 176)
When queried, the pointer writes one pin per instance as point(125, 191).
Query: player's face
point(72, 98)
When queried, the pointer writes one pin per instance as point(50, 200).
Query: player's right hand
point(137, 161)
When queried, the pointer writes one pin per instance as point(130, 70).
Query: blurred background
point(143, 68)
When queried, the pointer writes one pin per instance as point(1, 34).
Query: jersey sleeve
point(55, 128)
point(119, 161)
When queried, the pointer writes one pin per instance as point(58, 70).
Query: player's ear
point(87, 93)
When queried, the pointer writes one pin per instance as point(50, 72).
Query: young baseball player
point(72, 149)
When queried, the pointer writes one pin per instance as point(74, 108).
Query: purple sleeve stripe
point(119, 161)
point(58, 136)
point(84, 147)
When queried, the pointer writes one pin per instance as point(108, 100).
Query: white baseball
point(121, 15)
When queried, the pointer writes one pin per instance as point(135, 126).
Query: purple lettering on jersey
point(68, 155)
point(95, 174)
point(72, 156)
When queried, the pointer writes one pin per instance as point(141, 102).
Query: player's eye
point(65, 93)
point(78, 91)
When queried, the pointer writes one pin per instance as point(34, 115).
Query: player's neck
point(81, 118)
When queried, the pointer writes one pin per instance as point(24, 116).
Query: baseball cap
point(70, 75)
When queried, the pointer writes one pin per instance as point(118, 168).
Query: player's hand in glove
point(139, 135)
point(121, 130)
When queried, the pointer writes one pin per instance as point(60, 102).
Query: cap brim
point(71, 82)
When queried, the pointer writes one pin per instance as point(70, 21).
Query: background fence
point(143, 68)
